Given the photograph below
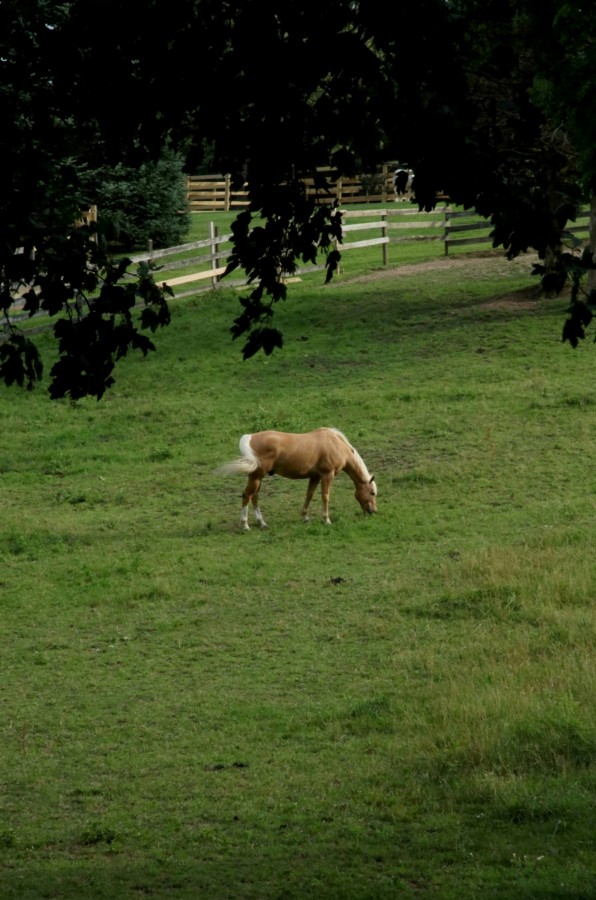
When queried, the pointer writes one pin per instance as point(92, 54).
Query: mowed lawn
point(392, 706)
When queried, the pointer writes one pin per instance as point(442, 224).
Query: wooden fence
point(202, 263)
point(393, 226)
point(215, 192)
point(468, 222)
point(378, 225)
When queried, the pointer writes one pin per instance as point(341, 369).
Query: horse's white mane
point(357, 458)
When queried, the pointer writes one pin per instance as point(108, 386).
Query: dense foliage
point(47, 141)
point(140, 204)
point(486, 101)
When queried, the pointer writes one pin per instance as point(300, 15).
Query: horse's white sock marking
point(244, 518)
point(259, 518)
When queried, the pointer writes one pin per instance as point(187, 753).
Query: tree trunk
point(555, 275)
point(591, 280)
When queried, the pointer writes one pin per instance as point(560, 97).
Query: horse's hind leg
point(251, 493)
point(252, 486)
point(312, 486)
point(257, 511)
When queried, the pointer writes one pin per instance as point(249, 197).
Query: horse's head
point(366, 495)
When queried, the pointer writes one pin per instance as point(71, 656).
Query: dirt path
point(475, 264)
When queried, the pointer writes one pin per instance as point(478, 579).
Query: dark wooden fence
point(215, 192)
point(458, 222)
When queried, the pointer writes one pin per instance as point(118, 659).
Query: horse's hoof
point(263, 526)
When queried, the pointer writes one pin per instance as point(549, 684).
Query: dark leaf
point(20, 362)
point(265, 339)
point(574, 328)
point(332, 264)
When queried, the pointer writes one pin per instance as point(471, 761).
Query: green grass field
point(393, 706)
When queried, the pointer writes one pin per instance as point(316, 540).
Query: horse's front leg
point(312, 486)
point(326, 482)
point(251, 493)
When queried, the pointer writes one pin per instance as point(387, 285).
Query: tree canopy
point(490, 102)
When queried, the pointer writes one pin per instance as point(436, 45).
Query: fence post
point(447, 229)
point(214, 234)
point(228, 193)
point(384, 234)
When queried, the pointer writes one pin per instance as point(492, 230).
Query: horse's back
point(298, 455)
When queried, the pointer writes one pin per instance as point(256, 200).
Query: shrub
point(136, 205)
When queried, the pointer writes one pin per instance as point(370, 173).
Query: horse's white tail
point(246, 464)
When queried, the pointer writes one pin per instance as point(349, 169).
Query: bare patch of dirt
point(476, 264)
point(527, 298)
point(482, 264)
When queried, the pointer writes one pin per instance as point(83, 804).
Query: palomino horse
point(318, 455)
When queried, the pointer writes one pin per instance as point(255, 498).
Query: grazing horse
point(318, 455)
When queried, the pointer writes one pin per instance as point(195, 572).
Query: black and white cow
point(402, 182)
